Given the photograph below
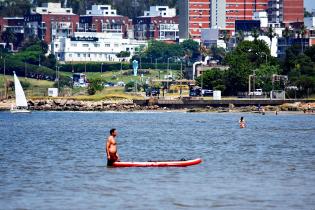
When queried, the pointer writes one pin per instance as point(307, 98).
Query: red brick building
point(102, 18)
point(160, 23)
point(51, 21)
point(242, 10)
point(293, 11)
point(158, 28)
point(194, 16)
point(284, 12)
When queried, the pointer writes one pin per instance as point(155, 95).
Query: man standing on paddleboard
point(111, 148)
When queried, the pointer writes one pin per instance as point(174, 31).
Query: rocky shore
point(75, 105)
point(129, 105)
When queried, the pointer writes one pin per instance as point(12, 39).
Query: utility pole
point(25, 70)
point(181, 78)
point(5, 81)
point(39, 60)
point(254, 75)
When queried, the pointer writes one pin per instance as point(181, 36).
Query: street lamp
point(265, 55)
point(39, 59)
point(4, 79)
point(249, 82)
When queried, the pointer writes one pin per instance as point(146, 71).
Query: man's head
point(113, 132)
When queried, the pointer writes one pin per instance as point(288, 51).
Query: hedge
point(19, 68)
point(96, 67)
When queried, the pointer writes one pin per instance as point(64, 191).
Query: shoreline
point(60, 105)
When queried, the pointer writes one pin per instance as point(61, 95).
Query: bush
point(91, 90)
point(130, 86)
point(96, 67)
point(25, 84)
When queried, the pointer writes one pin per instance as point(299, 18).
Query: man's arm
point(107, 149)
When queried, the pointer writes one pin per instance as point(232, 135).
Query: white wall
point(274, 43)
point(105, 49)
point(309, 22)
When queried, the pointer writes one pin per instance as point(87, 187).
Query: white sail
point(20, 98)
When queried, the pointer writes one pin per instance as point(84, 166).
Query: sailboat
point(20, 99)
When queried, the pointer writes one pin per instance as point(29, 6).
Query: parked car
point(257, 92)
point(109, 84)
point(205, 92)
point(152, 91)
point(195, 91)
point(121, 84)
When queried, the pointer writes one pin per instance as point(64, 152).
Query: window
point(73, 44)
point(107, 45)
point(85, 45)
point(78, 54)
point(96, 45)
point(70, 55)
point(116, 45)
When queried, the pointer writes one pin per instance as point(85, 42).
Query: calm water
point(54, 160)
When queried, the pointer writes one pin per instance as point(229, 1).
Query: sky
point(309, 4)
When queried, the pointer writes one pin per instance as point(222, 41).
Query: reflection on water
point(52, 160)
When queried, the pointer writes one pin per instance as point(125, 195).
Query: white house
point(163, 11)
point(93, 47)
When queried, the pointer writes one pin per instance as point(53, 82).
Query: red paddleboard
point(172, 163)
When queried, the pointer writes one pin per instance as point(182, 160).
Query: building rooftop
point(51, 8)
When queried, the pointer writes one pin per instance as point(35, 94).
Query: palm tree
point(270, 34)
point(226, 38)
point(255, 34)
point(240, 36)
point(286, 33)
point(8, 37)
point(302, 32)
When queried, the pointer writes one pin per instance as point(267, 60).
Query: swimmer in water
point(242, 123)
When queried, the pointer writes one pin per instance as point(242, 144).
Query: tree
point(123, 54)
point(163, 51)
point(264, 76)
point(255, 34)
point(303, 31)
point(191, 48)
point(226, 37)
point(218, 53)
point(213, 79)
point(240, 36)
point(286, 33)
point(307, 13)
point(270, 33)
point(310, 52)
point(8, 37)
point(16, 8)
point(242, 61)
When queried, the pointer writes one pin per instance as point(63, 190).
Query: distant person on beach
point(242, 122)
point(111, 148)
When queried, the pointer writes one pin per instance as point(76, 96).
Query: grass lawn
point(116, 76)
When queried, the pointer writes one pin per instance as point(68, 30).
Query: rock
point(31, 103)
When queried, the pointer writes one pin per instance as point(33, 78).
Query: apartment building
point(224, 13)
point(160, 23)
point(51, 21)
point(103, 18)
point(194, 15)
point(284, 12)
